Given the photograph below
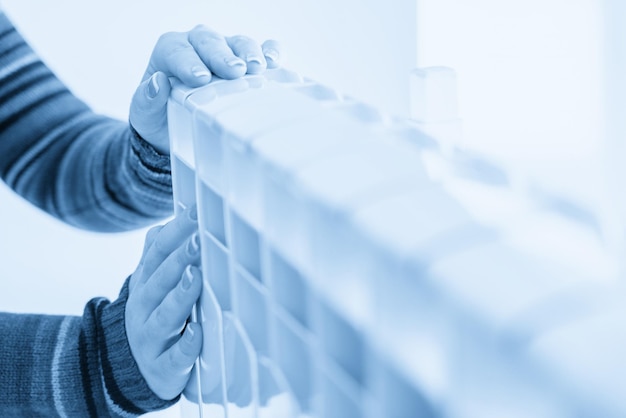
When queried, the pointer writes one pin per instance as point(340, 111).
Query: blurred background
point(539, 90)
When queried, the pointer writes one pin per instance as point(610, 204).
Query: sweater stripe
point(13, 49)
point(27, 84)
point(17, 65)
point(6, 32)
point(56, 370)
point(83, 350)
point(111, 386)
point(25, 111)
point(15, 171)
point(115, 407)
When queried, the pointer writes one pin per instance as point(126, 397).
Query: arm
point(92, 171)
point(119, 359)
point(72, 366)
point(83, 168)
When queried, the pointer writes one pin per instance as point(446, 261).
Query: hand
point(162, 292)
point(192, 57)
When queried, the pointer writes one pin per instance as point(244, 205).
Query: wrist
point(151, 149)
point(126, 385)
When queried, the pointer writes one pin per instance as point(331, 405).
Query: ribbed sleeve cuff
point(126, 388)
point(148, 155)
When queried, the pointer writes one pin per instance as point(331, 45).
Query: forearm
point(111, 180)
point(71, 366)
point(78, 166)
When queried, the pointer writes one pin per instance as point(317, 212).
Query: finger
point(177, 362)
point(249, 51)
point(168, 239)
point(150, 236)
point(272, 51)
point(170, 316)
point(148, 111)
point(215, 52)
point(168, 274)
point(138, 273)
point(175, 56)
point(191, 389)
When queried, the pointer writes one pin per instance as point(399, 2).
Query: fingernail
point(194, 245)
point(200, 72)
point(187, 278)
point(234, 62)
point(153, 86)
point(271, 54)
point(254, 58)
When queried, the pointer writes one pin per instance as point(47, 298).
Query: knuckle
point(170, 43)
point(204, 37)
point(240, 41)
point(271, 43)
point(184, 66)
point(218, 56)
point(183, 301)
point(178, 50)
point(201, 27)
point(182, 256)
point(159, 249)
point(152, 233)
point(168, 38)
point(159, 319)
point(177, 301)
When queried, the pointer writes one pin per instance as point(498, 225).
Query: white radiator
point(352, 268)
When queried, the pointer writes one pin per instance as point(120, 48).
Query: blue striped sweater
point(92, 172)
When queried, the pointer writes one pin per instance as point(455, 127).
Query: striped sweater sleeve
point(72, 366)
point(88, 170)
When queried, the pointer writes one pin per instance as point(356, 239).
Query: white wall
point(530, 84)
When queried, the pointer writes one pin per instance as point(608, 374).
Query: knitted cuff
point(148, 155)
point(152, 169)
point(126, 388)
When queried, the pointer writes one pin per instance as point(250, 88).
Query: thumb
point(148, 111)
